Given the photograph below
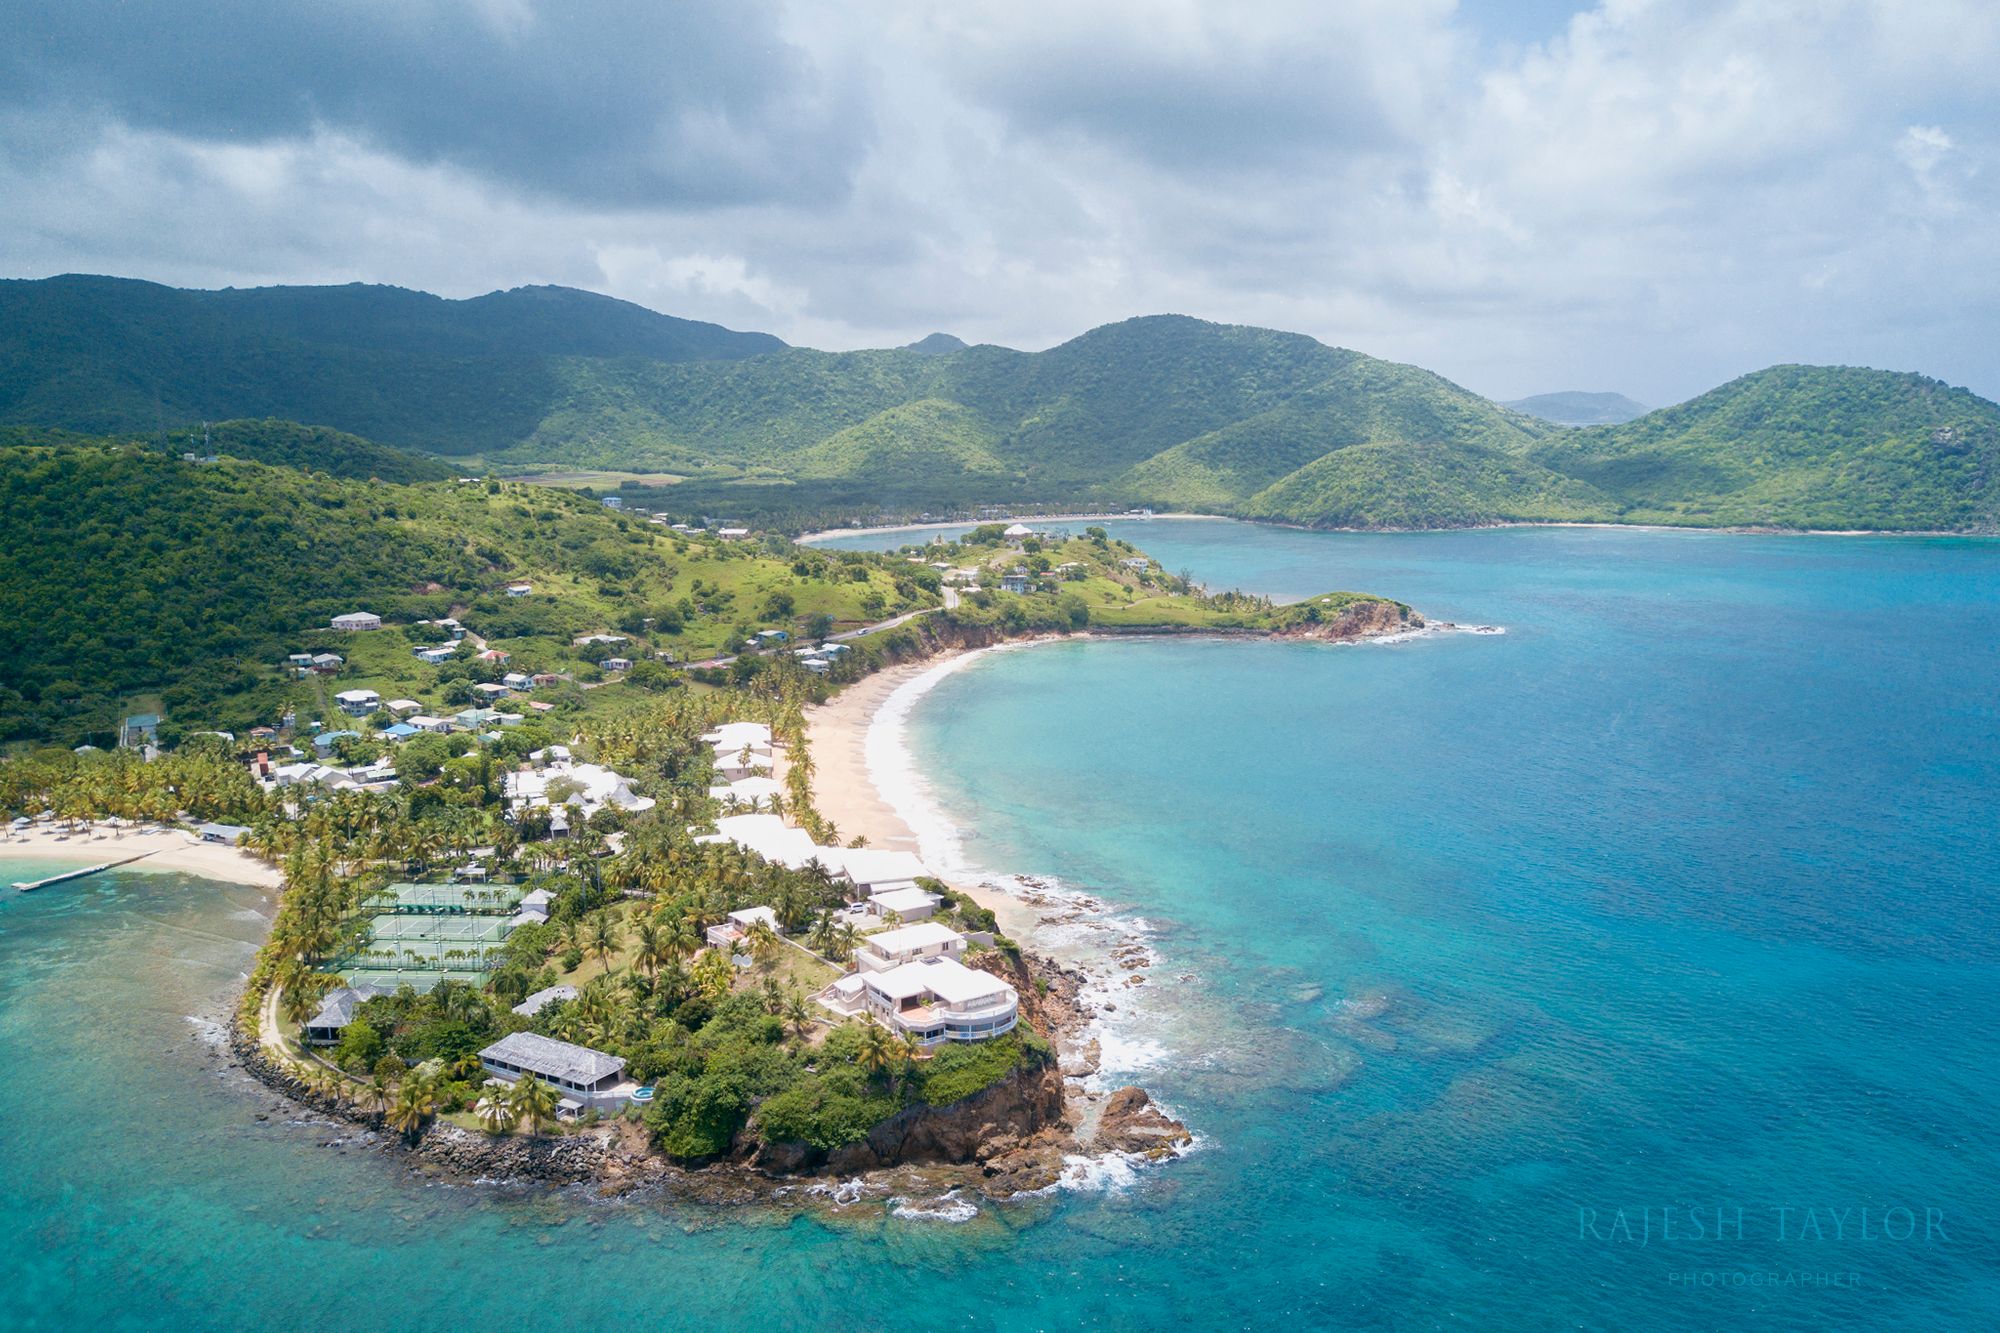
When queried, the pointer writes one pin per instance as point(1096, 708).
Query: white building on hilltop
point(906, 944)
point(935, 1000)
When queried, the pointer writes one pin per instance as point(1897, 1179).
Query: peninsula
point(655, 926)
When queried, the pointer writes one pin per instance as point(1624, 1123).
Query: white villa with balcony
point(935, 1000)
point(907, 944)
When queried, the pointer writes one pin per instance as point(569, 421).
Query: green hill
point(1162, 410)
point(128, 576)
point(113, 355)
point(1575, 408)
point(1800, 446)
point(280, 443)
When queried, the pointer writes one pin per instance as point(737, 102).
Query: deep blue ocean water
point(1678, 895)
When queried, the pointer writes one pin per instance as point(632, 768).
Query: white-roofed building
point(542, 999)
point(589, 1078)
point(911, 904)
point(736, 765)
point(769, 837)
point(936, 1000)
point(357, 620)
point(358, 703)
point(872, 870)
point(736, 735)
point(751, 793)
point(588, 787)
point(726, 933)
point(906, 944)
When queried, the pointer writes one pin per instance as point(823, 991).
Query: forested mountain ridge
point(1161, 410)
point(116, 355)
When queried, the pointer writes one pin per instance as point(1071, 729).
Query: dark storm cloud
point(629, 104)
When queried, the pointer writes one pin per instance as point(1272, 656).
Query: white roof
point(751, 915)
point(904, 939)
point(871, 865)
point(905, 900)
point(1019, 530)
point(733, 736)
point(597, 786)
point(947, 978)
point(356, 696)
point(404, 706)
point(748, 789)
point(769, 837)
point(534, 1003)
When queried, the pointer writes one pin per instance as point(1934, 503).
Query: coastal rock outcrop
point(1357, 620)
point(1131, 1123)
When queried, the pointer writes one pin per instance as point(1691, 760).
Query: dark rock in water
point(1131, 1123)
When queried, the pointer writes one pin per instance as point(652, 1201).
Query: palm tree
point(604, 938)
point(533, 1101)
point(908, 1051)
point(650, 951)
point(763, 941)
point(375, 1095)
point(495, 1112)
point(878, 1053)
point(798, 1012)
point(415, 1103)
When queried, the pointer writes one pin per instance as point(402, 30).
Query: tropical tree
point(604, 938)
point(415, 1103)
point(495, 1111)
point(533, 1101)
point(879, 1051)
point(798, 1012)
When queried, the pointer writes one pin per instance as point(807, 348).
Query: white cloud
point(1655, 197)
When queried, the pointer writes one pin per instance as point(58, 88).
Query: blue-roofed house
point(401, 731)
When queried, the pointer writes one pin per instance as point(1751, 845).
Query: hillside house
point(355, 621)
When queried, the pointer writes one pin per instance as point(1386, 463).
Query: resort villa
point(335, 1012)
point(891, 949)
point(936, 1000)
point(357, 620)
point(588, 787)
point(358, 703)
point(769, 837)
point(751, 793)
point(586, 1079)
point(542, 999)
point(726, 933)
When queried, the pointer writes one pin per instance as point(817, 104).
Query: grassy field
point(581, 478)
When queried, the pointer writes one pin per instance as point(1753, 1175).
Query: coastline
point(827, 534)
point(848, 752)
point(1751, 530)
point(164, 850)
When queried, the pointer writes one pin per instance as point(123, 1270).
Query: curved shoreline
point(1743, 530)
point(169, 851)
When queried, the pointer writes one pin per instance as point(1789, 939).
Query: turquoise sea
point(1472, 955)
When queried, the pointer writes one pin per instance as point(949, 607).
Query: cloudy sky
point(1529, 195)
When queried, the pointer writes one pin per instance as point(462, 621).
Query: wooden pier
point(30, 885)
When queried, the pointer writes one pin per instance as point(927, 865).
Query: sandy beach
point(845, 790)
point(163, 849)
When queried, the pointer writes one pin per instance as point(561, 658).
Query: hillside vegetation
point(1575, 408)
point(1162, 410)
point(130, 578)
point(1803, 447)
